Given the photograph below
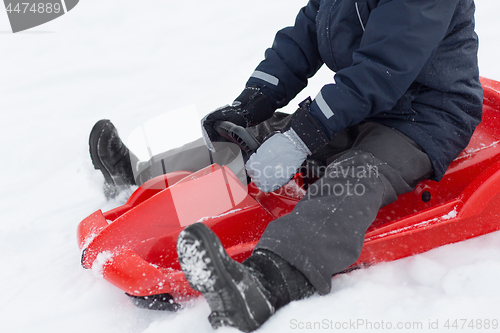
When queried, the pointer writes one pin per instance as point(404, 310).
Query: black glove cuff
point(255, 106)
point(306, 127)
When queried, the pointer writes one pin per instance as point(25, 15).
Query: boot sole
point(210, 254)
point(94, 138)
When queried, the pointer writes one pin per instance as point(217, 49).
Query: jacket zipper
point(359, 16)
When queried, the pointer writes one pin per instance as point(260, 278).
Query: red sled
point(134, 246)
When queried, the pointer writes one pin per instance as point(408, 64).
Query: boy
point(403, 103)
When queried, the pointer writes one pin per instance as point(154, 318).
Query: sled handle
point(238, 135)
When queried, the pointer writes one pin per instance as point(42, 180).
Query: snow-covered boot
point(110, 155)
point(234, 291)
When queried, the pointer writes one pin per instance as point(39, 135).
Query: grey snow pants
point(366, 167)
point(324, 233)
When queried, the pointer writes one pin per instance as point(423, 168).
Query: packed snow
point(130, 61)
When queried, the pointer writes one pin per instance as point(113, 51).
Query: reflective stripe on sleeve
point(266, 77)
point(323, 106)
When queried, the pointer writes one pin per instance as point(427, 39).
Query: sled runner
point(134, 245)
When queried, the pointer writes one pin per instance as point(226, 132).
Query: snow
point(102, 260)
point(194, 264)
point(130, 62)
point(206, 218)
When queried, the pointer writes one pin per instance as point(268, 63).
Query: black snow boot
point(110, 155)
point(284, 282)
point(234, 291)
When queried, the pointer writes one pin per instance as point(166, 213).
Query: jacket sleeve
point(399, 38)
point(292, 59)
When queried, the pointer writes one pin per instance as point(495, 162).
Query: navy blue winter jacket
point(408, 64)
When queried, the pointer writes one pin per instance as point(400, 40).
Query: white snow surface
point(130, 61)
